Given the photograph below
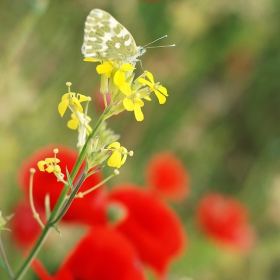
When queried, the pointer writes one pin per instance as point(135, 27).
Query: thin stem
point(4, 257)
point(82, 194)
point(35, 213)
point(34, 252)
point(69, 201)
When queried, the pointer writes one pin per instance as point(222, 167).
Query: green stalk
point(56, 215)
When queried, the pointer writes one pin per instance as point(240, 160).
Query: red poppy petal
point(166, 174)
point(151, 225)
point(225, 220)
point(89, 210)
point(41, 271)
point(103, 254)
point(25, 229)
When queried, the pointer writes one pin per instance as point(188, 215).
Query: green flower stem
point(5, 260)
point(69, 201)
point(57, 214)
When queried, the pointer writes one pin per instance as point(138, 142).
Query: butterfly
point(106, 39)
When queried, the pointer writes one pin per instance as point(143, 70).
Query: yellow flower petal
point(150, 76)
point(161, 97)
point(138, 113)
point(103, 68)
point(41, 165)
point(73, 124)
point(163, 90)
point(119, 78)
point(115, 159)
point(124, 150)
point(115, 145)
point(62, 106)
point(65, 96)
point(139, 102)
point(145, 82)
point(127, 67)
point(50, 169)
point(128, 104)
point(125, 89)
point(82, 97)
point(77, 104)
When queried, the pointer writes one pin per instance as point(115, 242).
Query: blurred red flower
point(166, 175)
point(25, 229)
point(151, 226)
point(89, 210)
point(225, 220)
point(103, 254)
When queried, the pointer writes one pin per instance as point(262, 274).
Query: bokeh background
point(221, 118)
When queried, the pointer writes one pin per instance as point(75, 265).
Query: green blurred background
point(221, 117)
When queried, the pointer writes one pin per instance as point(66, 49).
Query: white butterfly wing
point(106, 39)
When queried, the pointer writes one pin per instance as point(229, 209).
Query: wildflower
point(71, 100)
point(51, 166)
point(132, 102)
point(160, 91)
point(119, 155)
point(91, 210)
point(166, 175)
point(151, 226)
point(225, 220)
point(119, 77)
point(81, 122)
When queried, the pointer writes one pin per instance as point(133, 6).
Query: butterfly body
point(106, 39)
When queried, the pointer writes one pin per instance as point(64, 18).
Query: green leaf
point(69, 180)
point(56, 228)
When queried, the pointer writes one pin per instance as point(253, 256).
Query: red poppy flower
point(89, 210)
point(225, 220)
point(25, 229)
point(151, 225)
point(166, 174)
point(102, 254)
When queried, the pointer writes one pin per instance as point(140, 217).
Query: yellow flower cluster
point(51, 166)
point(126, 93)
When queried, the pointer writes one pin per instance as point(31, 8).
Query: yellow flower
point(160, 91)
point(119, 155)
point(74, 123)
point(105, 68)
point(70, 100)
point(49, 165)
point(119, 77)
point(133, 102)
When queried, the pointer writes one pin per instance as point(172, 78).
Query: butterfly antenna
point(173, 45)
point(155, 41)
